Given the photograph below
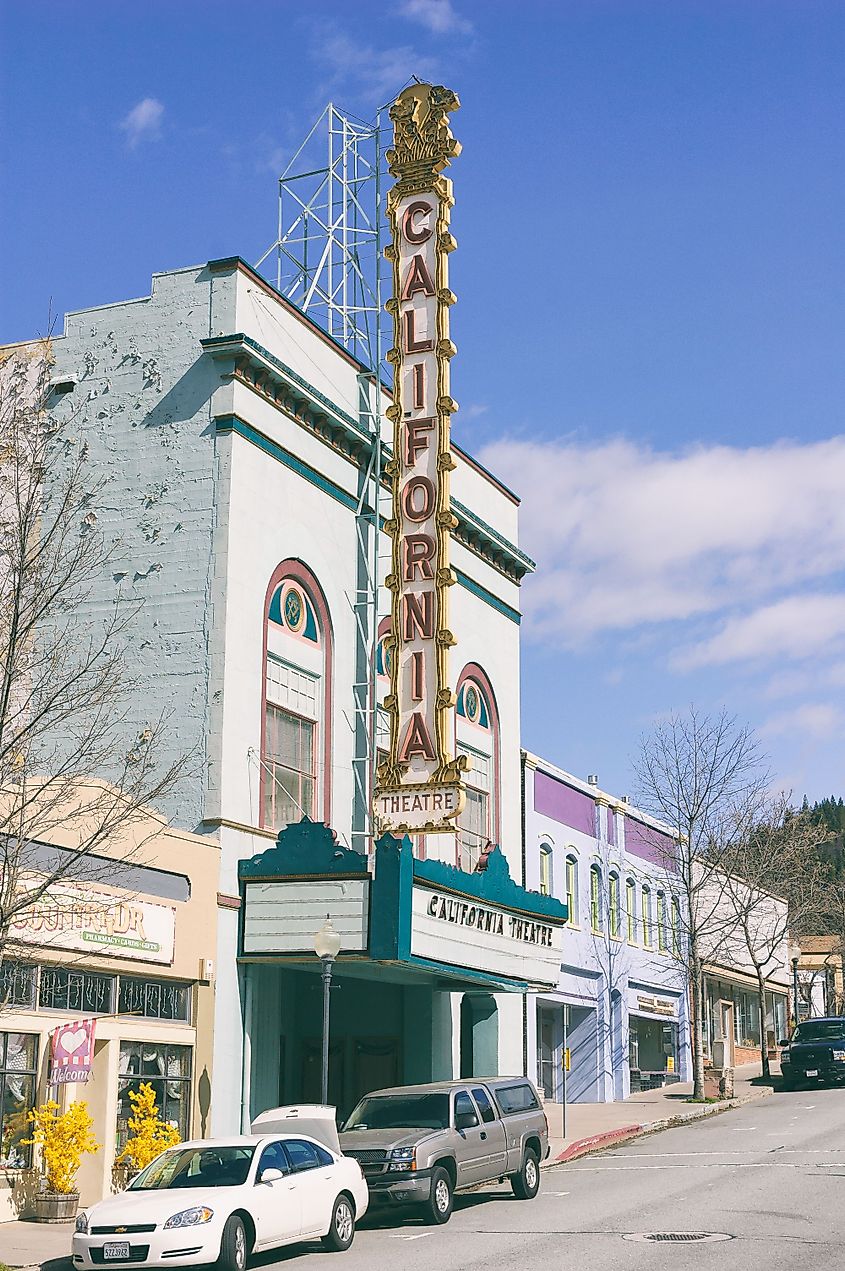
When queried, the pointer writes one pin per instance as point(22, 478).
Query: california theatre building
point(231, 430)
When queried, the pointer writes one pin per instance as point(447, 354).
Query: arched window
point(676, 927)
point(595, 898)
point(572, 890)
point(648, 928)
point(613, 905)
point(631, 909)
point(546, 858)
point(661, 922)
point(477, 737)
point(296, 707)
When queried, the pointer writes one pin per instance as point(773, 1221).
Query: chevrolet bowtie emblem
point(117, 1229)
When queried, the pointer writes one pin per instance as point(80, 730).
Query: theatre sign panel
point(419, 786)
point(423, 917)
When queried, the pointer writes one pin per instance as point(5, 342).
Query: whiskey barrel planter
point(56, 1206)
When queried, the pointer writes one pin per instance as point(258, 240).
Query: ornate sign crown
point(422, 139)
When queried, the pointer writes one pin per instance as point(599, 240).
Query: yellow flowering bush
point(64, 1137)
point(149, 1135)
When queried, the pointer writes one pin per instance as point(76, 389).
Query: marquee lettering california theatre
point(464, 914)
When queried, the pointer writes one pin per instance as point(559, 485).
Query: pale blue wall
point(142, 404)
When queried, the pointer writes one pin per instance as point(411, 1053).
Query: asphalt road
point(771, 1176)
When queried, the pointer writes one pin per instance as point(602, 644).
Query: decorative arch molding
point(472, 671)
point(297, 571)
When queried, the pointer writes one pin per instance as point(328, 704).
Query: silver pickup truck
point(420, 1144)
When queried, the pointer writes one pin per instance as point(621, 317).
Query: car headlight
point(189, 1217)
point(82, 1223)
point(839, 1054)
point(401, 1158)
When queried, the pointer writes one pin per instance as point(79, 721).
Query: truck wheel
point(526, 1183)
point(233, 1248)
point(438, 1208)
point(342, 1230)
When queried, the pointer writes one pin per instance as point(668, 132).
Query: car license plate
point(116, 1251)
point(812, 1072)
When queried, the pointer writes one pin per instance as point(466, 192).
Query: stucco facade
point(618, 1020)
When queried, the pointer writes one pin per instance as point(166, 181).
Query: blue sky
point(651, 301)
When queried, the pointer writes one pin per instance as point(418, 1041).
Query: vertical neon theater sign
point(419, 784)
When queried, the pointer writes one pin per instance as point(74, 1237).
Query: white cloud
point(143, 120)
point(437, 16)
point(816, 720)
point(378, 74)
point(797, 627)
point(474, 410)
point(627, 537)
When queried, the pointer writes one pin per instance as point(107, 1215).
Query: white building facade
point(618, 1020)
point(230, 431)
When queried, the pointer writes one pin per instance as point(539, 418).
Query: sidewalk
point(593, 1125)
point(36, 1244)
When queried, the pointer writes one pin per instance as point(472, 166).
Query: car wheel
point(438, 1208)
point(526, 1183)
point(342, 1230)
point(233, 1246)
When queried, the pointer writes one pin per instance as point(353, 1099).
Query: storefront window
point(18, 1063)
point(154, 999)
point(64, 989)
point(652, 1052)
point(746, 1018)
point(168, 1070)
point(17, 984)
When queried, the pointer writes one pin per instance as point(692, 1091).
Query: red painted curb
point(580, 1146)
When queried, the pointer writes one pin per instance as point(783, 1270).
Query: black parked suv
point(815, 1054)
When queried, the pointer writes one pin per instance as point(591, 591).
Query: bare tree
point(70, 760)
point(774, 883)
point(699, 774)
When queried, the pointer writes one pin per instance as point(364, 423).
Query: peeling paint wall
point(142, 403)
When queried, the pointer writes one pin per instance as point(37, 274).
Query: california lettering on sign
point(419, 784)
point(493, 921)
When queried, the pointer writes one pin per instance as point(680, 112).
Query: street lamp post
point(326, 947)
point(795, 989)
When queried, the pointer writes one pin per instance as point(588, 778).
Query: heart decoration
point(72, 1038)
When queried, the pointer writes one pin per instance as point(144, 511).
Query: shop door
point(376, 1065)
point(312, 1058)
point(547, 1053)
point(725, 1030)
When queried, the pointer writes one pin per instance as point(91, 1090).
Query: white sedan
point(218, 1201)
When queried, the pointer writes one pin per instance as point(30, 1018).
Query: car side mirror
point(270, 1175)
point(784, 1041)
point(465, 1120)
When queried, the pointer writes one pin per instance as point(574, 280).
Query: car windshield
point(820, 1030)
point(400, 1112)
point(195, 1167)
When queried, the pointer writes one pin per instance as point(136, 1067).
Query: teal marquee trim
point(306, 848)
point(233, 423)
point(492, 886)
point(487, 596)
point(498, 983)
